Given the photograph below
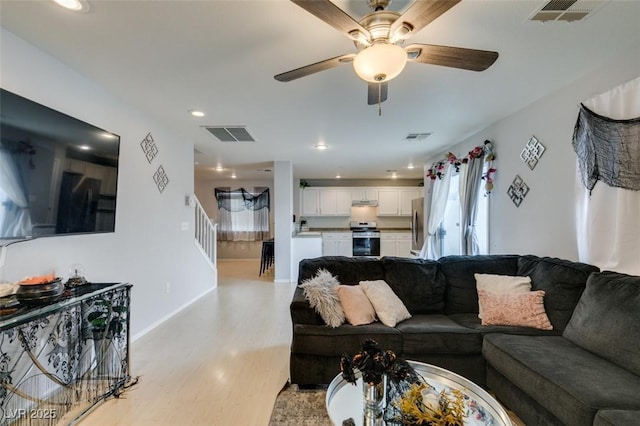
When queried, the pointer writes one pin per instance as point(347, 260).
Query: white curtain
point(608, 219)
point(15, 219)
point(439, 194)
point(469, 191)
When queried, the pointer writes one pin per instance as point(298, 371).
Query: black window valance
point(241, 199)
point(608, 150)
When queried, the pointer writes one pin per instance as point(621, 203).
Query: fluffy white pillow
point(321, 293)
point(501, 284)
point(389, 308)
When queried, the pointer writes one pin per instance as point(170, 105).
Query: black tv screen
point(58, 174)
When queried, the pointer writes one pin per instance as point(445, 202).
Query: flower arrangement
point(371, 361)
point(422, 405)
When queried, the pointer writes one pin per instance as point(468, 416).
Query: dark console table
point(61, 359)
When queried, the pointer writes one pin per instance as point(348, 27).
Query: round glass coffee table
point(344, 400)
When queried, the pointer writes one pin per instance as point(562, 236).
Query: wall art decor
point(149, 147)
point(161, 179)
point(517, 190)
point(532, 152)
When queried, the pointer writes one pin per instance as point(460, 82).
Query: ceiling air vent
point(416, 136)
point(566, 10)
point(230, 133)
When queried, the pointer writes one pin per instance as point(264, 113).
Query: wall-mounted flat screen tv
point(58, 174)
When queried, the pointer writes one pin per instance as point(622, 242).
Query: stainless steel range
point(366, 239)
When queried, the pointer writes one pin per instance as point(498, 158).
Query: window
point(450, 229)
point(243, 215)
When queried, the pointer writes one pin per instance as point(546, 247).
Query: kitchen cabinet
point(364, 194)
point(396, 201)
point(388, 202)
point(337, 244)
point(326, 202)
point(405, 195)
point(395, 244)
point(310, 200)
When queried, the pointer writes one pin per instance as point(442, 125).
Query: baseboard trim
point(170, 315)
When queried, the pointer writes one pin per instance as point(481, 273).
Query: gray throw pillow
point(321, 292)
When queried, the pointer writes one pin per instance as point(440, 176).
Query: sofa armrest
point(301, 311)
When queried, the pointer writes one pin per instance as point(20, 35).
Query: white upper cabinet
point(405, 196)
point(396, 201)
point(388, 202)
point(326, 202)
point(310, 202)
point(336, 201)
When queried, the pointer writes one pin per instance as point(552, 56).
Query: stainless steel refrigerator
point(417, 224)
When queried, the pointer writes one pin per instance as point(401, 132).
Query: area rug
point(302, 407)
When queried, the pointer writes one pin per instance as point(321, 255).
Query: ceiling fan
point(379, 37)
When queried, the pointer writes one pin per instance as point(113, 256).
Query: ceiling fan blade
point(455, 57)
point(377, 93)
point(334, 16)
point(314, 68)
point(421, 13)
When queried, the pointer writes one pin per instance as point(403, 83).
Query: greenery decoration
point(304, 184)
point(422, 405)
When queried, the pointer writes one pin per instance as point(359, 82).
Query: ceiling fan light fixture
point(380, 62)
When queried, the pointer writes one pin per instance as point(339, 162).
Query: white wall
point(544, 224)
point(148, 249)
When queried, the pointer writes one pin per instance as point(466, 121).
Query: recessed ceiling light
point(84, 147)
point(75, 5)
point(218, 168)
point(233, 176)
point(410, 166)
point(196, 113)
point(321, 147)
point(338, 176)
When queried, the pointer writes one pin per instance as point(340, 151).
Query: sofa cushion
point(357, 307)
point(516, 309)
point(607, 319)
point(568, 381)
point(501, 284)
point(419, 283)
point(563, 282)
point(617, 418)
point(472, 321)
point(348, 270)
point(435, 333)
point(389, 308)
point(461, 295)
point(325, 341)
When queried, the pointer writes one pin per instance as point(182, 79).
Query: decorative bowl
point(40, 294)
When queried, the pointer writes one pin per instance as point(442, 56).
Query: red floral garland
point(437, 170)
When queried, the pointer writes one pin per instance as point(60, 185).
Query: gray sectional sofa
point(585, 371)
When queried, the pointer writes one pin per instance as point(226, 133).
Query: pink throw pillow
point(514, 309)
point(356, 306)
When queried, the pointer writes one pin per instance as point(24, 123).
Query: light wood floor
point(222, 361)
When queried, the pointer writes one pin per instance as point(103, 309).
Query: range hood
point(364, 203)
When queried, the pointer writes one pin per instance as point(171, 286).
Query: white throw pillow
point(389, 308)
point(501, 284)
point(321, 293)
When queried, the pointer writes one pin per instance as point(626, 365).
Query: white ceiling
point(167, 57)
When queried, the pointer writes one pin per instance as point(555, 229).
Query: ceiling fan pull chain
point(379, 99)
